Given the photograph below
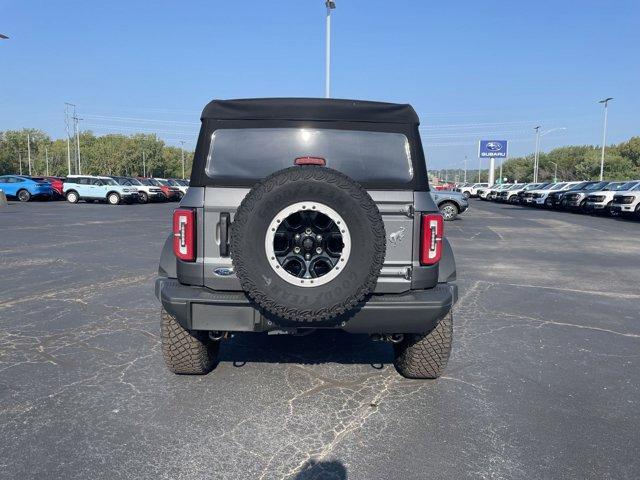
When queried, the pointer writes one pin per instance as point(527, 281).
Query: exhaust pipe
point(216, 335)
point(393, 338)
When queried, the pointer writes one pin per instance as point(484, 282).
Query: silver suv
point(308, 214)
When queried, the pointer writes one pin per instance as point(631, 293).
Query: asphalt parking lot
point(543, 381)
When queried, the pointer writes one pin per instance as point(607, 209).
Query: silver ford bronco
point(308, 214)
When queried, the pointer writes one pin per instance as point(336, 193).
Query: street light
point(555, 173)
point(536, 162)
point(535, 156)
point(604, 135)
point(327, 71)
point(182, 156)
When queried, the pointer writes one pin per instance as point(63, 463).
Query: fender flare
point(447, 264)
point(167, 267)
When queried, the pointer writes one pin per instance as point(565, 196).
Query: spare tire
point(307, 244)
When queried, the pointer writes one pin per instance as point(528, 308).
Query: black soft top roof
point(323, 109)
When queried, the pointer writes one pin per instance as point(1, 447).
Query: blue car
point(24, 188)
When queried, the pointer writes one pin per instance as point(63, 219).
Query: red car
point(170, 193)
point(56, 184)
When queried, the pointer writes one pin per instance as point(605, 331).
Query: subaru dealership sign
point(492, 149)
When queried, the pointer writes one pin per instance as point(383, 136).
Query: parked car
point(56, 183)
point(307, 244)
point(169, 193)
point(445, 186)
point(537, 197)
point(177, 192)
point(627, 203)
point(601, 201)
point(450, 203)
point(482, 192)
point(180, 184)
point(520, 194)
point(495, 190)
point(24, 188)
point(575, 200)
point(471, 189)
point(554, 198)
point(509, 194)
point(146, 193)
point(95, 188)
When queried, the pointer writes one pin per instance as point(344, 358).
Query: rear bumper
point(199, 308)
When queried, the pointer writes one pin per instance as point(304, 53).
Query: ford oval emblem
point(223, 271)
point(494, 146)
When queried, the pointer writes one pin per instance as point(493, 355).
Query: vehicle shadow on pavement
point(324, 470)
point(328, 346)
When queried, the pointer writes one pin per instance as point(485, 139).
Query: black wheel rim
point(308, 244)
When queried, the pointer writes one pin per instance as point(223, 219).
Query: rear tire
point(24, 195)
point(186, 352)
point(143, 197)
point(466, 195)
point(72, 197)
point(425, 355)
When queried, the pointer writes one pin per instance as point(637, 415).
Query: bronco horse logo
point(396, 237)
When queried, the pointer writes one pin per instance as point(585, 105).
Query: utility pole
point(20, 160)
point(77, 130)
point(144, 164)
point(535, 157)
point(327, 66)
point(46, 158)
point(555, 173)
point(182, 156)
point(29, 151)
point(604, 135)
point(67, 126)
point(465, 169)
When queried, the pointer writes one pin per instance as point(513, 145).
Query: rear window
point(253, 153)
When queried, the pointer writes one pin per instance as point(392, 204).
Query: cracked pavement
point(542, 383)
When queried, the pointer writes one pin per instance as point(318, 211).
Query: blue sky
point(490, 69)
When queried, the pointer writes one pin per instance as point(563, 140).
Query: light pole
point(465, 169)
point(535, 156)
point(182, 156)
point(29, 152)
point(555, 172)
point(327, 66)
point(604, 134)
point(46, 158)
point(66, 121)
point(76, 120)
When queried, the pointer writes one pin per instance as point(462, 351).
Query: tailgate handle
point(225, 220)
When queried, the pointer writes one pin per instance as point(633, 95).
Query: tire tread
point(186, 352)
point(425, 355)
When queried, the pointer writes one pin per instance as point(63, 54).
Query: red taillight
point(310, 161)
point(431, 234)
point(184, 240)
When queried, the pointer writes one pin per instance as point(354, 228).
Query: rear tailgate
point(400, 222)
